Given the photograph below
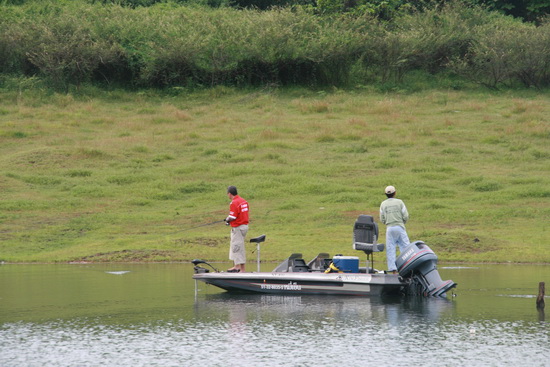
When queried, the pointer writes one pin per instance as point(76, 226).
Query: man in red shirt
point(238, 220)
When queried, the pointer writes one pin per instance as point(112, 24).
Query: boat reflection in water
point(390, 310)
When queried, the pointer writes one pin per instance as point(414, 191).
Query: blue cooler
point(347, 264)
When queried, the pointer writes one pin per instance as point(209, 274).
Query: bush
point(60, 42)
point(505, 53)
point(167, 44)
point(532, 56)
point(438, 34)
point(12, 42)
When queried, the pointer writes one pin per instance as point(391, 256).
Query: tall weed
point(172, 45)
point(507, 52)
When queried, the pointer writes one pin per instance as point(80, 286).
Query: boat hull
point(306, 283)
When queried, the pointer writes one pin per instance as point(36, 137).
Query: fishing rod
point(201, 225)
point(207, 224)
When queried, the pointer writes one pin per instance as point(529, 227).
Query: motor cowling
point(418, 264)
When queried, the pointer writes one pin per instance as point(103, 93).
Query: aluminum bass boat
point(338, 275)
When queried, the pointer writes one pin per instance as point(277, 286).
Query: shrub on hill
point(166, 45)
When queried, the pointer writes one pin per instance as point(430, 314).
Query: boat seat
point(258, 239)
point(292, 264)
point(365, 235)
point(320, 263)
point(298, 266)
point(368, 248)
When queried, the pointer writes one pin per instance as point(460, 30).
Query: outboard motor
point(418, 262)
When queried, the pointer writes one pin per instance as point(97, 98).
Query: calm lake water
point(148, 315)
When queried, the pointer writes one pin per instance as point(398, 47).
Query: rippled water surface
point(148, 315)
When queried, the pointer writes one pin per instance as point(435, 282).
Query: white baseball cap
point(389, 190)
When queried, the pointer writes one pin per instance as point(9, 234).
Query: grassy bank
point(119, 176)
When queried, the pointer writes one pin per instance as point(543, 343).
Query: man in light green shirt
point(394, 214)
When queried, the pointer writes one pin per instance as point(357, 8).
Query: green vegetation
point(122, 123)
point(70, 43)
point(528, 10)
point(120, 176)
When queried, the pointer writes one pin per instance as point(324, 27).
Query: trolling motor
point(418, 264)
point(199, 269)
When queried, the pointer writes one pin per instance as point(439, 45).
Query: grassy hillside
point(123, 176)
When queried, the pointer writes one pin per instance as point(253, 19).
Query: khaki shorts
point(237, 251)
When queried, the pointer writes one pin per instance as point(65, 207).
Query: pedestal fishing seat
point(365, 236)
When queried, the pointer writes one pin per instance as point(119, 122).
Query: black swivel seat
point(365, 236)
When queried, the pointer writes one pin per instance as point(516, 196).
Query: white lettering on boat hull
point(287, 287)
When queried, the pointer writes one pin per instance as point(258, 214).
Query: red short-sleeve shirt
point(238, 209)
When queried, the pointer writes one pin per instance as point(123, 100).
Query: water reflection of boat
point(393, 309)
point(339, 275)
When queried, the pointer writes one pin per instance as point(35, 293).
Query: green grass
point(121, 176)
